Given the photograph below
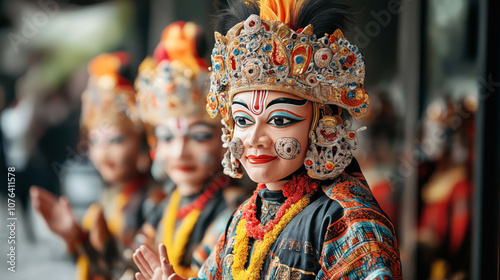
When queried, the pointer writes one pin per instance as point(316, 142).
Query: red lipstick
point(185, 168)
point(260, 159)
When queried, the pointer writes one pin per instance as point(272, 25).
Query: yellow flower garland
point(241, 248)
point(177, 249)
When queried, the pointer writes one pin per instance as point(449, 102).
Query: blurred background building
point(430, 153)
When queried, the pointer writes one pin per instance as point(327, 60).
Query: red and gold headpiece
point(109, 98)
point(281, 49)
point(174, 83)
point(263, 52)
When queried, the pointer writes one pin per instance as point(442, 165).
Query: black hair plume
point(325, 16)
point(231, 12)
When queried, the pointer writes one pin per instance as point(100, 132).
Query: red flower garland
point(294, 190)
point(200, 202)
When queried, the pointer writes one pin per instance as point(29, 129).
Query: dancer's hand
point(99, 235)
point(151, 267)
point(56, 213)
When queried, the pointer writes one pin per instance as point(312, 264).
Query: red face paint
point(259, 98)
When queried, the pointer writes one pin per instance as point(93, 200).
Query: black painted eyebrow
point(290, 101)
point(202, 124)
point(240, 102)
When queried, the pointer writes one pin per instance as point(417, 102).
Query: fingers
point(166, 267)
point(99, 234)
point(65, 203)
point(175, 277)
point(143, 266)
point(36, 197)
point(34, 193)
point(150, 257)
point(163, 252)
point(139, 276)
point(42, 200)
point(148, 264)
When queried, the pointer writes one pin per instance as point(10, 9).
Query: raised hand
point(99, 234)
point(151, 267)
point(57, 214)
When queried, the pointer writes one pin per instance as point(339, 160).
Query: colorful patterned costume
point(125, 212)
point(342, 234)
point(206, 231)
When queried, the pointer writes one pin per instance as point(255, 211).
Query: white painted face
point(267, 121)
point(190, 149)
point(114, 150)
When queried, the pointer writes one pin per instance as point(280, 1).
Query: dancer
point(287, 85)
point(118, 149)
point(172, 89)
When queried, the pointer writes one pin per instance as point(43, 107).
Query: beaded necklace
point(298, 192)
point(176, 245)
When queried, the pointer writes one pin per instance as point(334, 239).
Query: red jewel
point(324, 57)
point(294, 190)
point(329, 136)
point(251, 24)
point(352, 135)
point(309, 162)
point(329, 166)
point(312, 81)
point(351, 59)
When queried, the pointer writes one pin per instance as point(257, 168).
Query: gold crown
point(108, 96)
point(260, 54)
point(170, 89)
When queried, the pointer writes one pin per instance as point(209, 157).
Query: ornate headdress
point(279, 50)
point(109, 98)
point(174, 83)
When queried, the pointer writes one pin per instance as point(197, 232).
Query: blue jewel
point(281, 68)
point(299, 59)
point(342, 60)
point(356, 110)
point(363, 106)
point(351, 94)
point(217, 66)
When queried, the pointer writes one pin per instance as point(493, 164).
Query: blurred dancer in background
point(172, 88)
point(118, 149)
point(445, 219)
